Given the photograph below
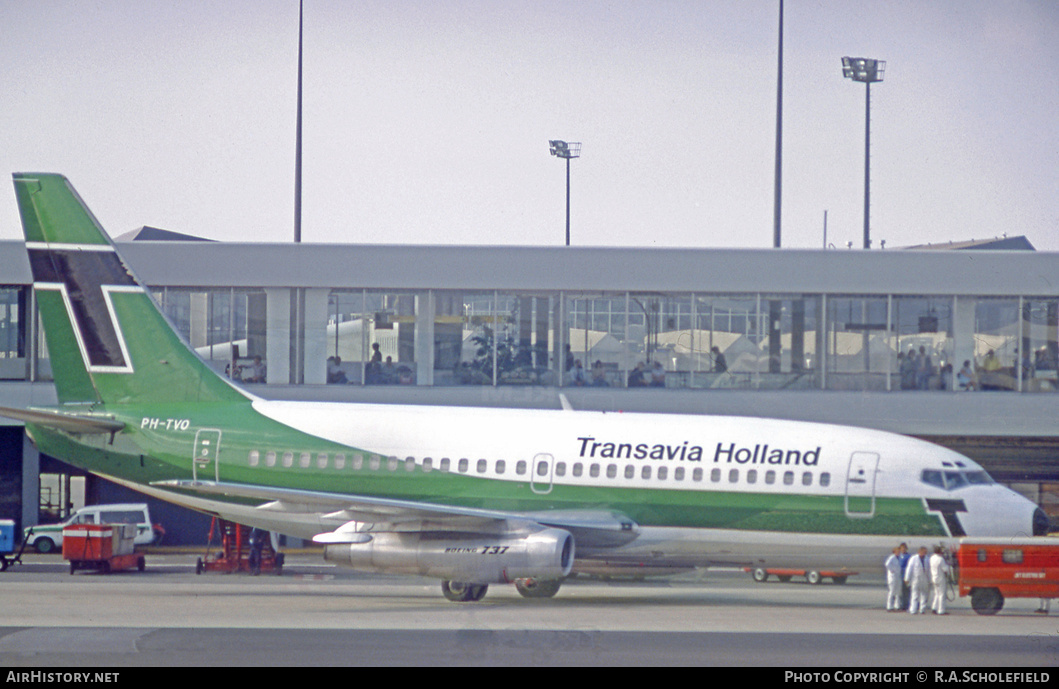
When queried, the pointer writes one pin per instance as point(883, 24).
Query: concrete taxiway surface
point(315, 613)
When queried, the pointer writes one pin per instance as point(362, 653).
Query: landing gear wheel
point(987, 601)
point(462, 592)
point(760, 575)
point(812, 576)
point(538, 588)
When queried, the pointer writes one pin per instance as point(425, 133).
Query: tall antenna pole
point(779, 141)
point(298, 141)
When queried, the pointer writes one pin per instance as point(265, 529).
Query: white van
point(46, 538)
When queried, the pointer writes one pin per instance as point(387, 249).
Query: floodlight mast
point(867, 71)
point(567, 150)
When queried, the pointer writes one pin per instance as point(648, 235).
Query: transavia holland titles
point(686, 452)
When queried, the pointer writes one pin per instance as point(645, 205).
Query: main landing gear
point(463, 592)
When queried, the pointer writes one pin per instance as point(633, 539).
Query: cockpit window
point(978, 478)
point(954, 480)
point(933, 477)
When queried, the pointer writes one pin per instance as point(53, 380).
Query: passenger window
point(340, 461)
point(501, 466)
point(630, 471)
point(410, 464)
point(1011, 557)
point(612, 470)
point(560, 469)
point(374, 462)
point(542, 468)
point(825, 479)
point(733, 476)
point(807, 479)
point(696, 475)
point(270, 459)
point(788, 478)
point(751, 476)
point(462, 466)
point(288, 459)
point(483, 466)
point(304, 459)
point(646, 471)
point(391, 464)
point(445, 464)
point(578, 469)
point(428, 464)
point(715, 475)
point(358, 462)
point(678, 473)
point(593, 471)
point(520, 467)
point(662, 473)
point(254, 458)
point(321, 461)
point(770, 477)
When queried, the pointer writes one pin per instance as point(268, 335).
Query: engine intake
point(474, 558)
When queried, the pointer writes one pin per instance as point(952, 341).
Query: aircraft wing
point(70, 423)
point(591, 528)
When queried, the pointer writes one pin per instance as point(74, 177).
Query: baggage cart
point(104, 547)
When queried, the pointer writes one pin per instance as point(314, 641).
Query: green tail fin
point(106, 337)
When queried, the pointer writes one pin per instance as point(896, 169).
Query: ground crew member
point(916, 574)
point(894, 581)
point(939, 577)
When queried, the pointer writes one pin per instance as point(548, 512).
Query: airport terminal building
point(955, 346)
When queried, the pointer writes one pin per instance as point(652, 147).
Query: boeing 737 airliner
point(470, 496)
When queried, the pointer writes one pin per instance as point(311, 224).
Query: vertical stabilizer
point(107, 339)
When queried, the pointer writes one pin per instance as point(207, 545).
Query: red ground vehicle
point(991, 570)
point(105, 547)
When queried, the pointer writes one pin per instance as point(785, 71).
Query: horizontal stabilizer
point(61, 421)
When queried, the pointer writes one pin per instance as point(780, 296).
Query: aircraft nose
point(1041, 523)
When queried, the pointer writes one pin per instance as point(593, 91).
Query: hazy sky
point(427, 121)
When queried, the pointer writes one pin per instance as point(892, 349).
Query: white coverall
point(893, 582)
point(939, 577)
point(917, 577)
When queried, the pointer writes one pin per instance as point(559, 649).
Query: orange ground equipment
point(243, 549)
point(991, 570)
point(105, 547)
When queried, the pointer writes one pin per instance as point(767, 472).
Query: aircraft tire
point(760, 575)
point(987, 601)
point(463, 592)
point(812, 576)
point(538, 588)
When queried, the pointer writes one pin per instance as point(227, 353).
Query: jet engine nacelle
point(474, 558)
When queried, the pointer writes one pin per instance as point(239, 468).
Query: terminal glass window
point(13, 310)
point(996, 343)
point(923, 343)
point(522, 346)
point(371, 337)
point(858, 350)
point(597, 337)
point(1039, 343)
point(226, 327)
